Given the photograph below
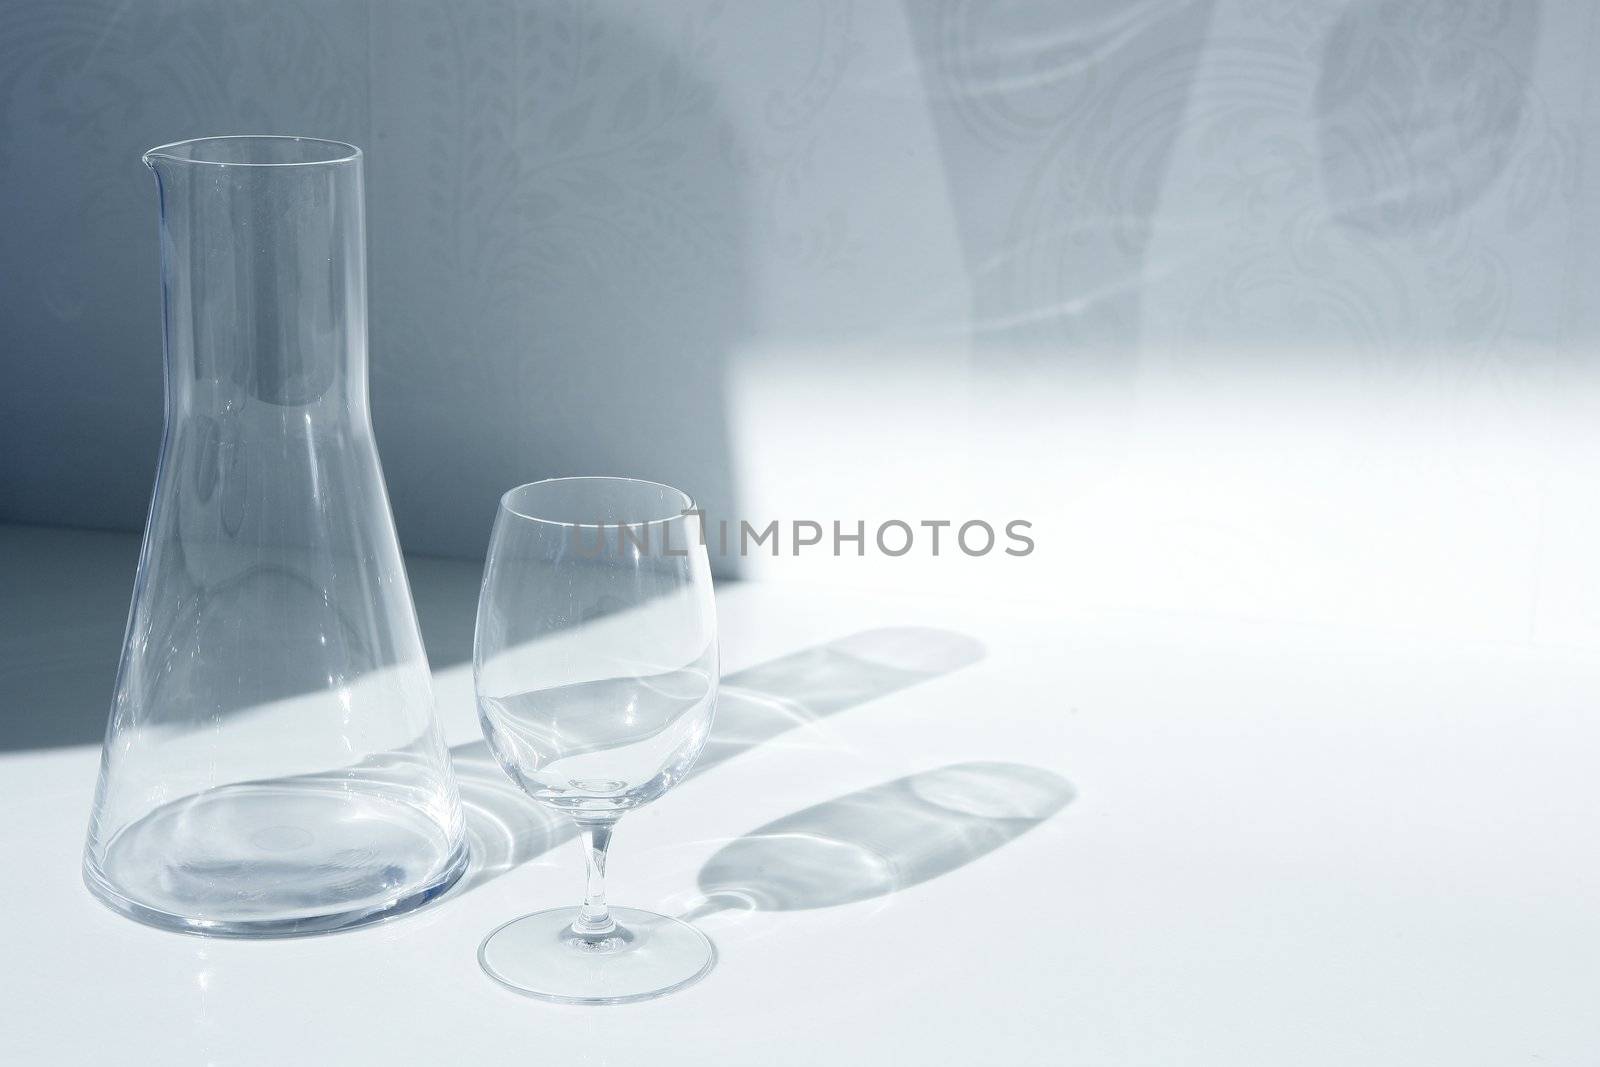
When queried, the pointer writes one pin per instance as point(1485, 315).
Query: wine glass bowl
point(605, 745)
point(596, 670)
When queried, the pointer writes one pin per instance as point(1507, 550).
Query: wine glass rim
point(339, 151)
point(689, 504)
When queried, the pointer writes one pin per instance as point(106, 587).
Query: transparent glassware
point(596, 671)
point(272, 765)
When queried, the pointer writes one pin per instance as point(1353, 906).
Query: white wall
point(1267, 307)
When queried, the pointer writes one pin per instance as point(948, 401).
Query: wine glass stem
point(594, 920)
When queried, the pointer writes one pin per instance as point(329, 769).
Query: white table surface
point(1179, 841)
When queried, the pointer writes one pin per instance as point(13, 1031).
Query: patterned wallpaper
point(619, 236)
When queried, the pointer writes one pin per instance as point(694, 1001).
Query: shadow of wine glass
point(880, 840)
point(506, 828)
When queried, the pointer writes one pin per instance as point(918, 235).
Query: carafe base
point(276, 859)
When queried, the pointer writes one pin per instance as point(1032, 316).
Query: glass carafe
point(272, 764)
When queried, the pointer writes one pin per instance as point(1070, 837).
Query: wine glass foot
point(647, 956)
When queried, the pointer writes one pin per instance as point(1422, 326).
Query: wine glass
point(596, 672)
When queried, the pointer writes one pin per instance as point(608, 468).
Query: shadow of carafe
point(506, 827)
point(880, 840)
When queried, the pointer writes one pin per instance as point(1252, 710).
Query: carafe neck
point(263, 275)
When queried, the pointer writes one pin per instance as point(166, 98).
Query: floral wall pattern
point(707, 242)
